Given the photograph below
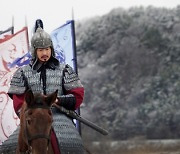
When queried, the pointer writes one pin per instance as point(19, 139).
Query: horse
point(35, 124)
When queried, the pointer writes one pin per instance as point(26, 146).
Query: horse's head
point(36, 120)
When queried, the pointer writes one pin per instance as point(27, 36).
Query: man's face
point(43, 54)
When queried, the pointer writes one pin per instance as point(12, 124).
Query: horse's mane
point(39, 101)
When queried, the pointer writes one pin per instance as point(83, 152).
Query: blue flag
point(62, 38)
point(64, 46)
point(24, 60)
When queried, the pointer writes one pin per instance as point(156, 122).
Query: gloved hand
point(67, 101)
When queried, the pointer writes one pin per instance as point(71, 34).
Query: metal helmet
point(40, 39)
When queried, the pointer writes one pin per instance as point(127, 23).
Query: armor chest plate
point(53, 80)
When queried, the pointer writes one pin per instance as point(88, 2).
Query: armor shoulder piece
point(17, 84)
point(71, 79)
point(69, 69)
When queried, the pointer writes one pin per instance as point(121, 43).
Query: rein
point(36, 136)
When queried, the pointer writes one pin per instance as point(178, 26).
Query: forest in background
point(128, 61)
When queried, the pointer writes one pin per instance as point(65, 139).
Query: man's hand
point(57, 101)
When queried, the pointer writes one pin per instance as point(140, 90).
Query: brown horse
point(35, 124)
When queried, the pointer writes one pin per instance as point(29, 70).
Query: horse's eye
point(28, 121)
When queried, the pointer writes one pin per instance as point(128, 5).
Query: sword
point(76, 116)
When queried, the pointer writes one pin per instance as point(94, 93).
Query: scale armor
point(68, 137)
point(26, 77)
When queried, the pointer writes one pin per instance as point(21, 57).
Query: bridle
point(36, 136)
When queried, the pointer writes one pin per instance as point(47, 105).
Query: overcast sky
point(54, 13)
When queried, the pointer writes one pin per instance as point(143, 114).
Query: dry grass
point(136, 147)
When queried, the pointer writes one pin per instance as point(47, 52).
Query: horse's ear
point(50, 99)
point(29, 97)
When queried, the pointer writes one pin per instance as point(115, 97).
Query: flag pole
point(12, 31)
point(75, 63)
point(26, 25)
point(26, 21)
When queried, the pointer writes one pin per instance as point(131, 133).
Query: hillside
point(129, 61)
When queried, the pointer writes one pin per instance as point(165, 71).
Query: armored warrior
point(45, 74)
